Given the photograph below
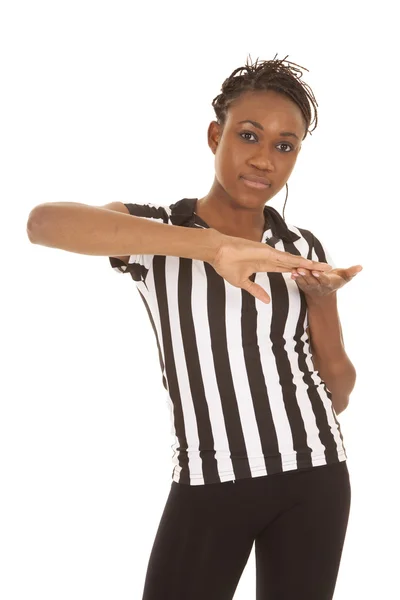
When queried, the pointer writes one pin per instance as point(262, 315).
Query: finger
point(315, 276)
point(318, 266)
point(299, 280)
point(352, 271)
point(257, 291)
point(322, 278)
point(312, 281)
point(279, 268)
point(285, 259)
point(308, 277)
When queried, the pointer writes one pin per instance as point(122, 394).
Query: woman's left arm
point(327, 347)
point(325, 331)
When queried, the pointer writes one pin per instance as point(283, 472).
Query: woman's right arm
point(105, 231)
point(100, 231)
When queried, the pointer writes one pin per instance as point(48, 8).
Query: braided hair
point(268, 75)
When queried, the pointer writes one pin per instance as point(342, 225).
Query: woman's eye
point(287, 145)
point(250, 133)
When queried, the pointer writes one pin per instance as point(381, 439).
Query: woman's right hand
point(237, 258)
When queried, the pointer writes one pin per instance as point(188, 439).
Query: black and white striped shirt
point(244, 396)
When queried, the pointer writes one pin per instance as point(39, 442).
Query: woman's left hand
point(314, 283)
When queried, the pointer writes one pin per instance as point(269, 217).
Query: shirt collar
point(182, 213)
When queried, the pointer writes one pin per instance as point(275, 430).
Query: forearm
point(329, 355)
point(98, 231)
point(340, 380)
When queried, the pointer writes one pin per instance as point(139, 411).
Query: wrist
point(327, 300)
point(213, 241)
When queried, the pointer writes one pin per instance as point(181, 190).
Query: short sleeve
point(321, 253)
point(138, 264)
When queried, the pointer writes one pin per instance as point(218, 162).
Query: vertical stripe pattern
point(245, 399)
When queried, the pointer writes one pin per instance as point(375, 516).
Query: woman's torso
point(245, 399)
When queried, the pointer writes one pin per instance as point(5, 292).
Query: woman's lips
point(255, 184)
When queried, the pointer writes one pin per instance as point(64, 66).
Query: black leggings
point(297, 520)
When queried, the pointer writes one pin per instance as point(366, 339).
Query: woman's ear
point(213, 135)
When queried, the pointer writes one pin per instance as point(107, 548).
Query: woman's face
point(263, 149)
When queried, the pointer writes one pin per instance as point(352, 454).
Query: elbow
point(340, 404)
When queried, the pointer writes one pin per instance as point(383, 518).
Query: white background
point(110, 101)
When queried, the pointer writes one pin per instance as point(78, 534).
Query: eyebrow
point(259, 126)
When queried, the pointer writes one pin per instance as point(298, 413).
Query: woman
point(261, 457)
point(252, 359)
